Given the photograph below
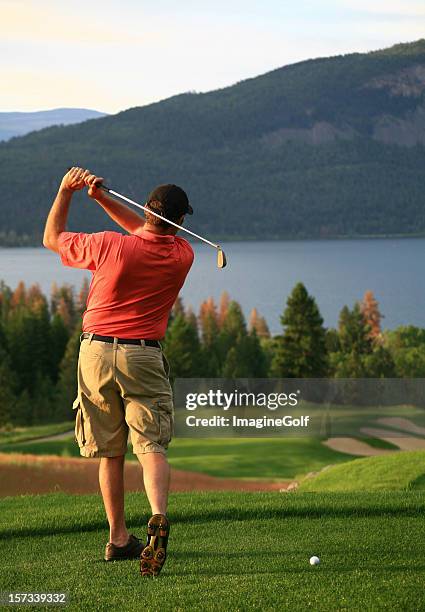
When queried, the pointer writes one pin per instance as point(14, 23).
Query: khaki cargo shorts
point(122, 389)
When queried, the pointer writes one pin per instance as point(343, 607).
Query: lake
point(262, 274)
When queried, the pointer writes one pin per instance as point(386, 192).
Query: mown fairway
point(228, 458)
point(227, 552)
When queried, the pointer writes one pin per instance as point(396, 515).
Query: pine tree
point(54, 298)
point(178, 307)
point(192, 319)
point(210, 353)
point(19, 296)
point(406, 345)
point(241, 352)
point(208, 315)
point(59, 336)
point(246, 359)
point(182, 348)
point(372, 315)
point(7, 391)
point(42, 400)
point(223, 308)
point(258, 324)
point(20, 335)
point(209, 329)
point(233, 326)
point(40, 331)
point(359, 356)
point(66, 388)
point(353, 331)
point(64, 312)
point(22, 412)
point(62, 301)
point(301, 350)
point(82, 297)
point(5, 301)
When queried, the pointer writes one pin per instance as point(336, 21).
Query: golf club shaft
point(151, 212)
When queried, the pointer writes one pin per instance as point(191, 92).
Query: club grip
point(98, 184)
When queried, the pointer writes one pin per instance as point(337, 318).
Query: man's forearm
point(120, 213)
point(56, 221)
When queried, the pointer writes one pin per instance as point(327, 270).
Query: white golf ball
point(314, 560)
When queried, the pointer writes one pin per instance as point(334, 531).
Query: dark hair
point(158, 207)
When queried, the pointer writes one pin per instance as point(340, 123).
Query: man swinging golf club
point(123, 383)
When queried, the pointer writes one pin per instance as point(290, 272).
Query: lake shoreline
point(225, 239)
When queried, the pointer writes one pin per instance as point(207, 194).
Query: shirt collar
point(152, 237)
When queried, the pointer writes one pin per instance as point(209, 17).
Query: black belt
point(110, 339)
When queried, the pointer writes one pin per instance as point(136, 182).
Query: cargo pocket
point(79, 423)
point(166, 422)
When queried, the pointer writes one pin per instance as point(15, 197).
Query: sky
point(111, 55)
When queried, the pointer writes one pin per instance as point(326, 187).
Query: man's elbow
point(46, 242)
point(50, 243)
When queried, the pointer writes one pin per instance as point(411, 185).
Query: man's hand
point(93, 183)
point(74, 179)
point(56, 221)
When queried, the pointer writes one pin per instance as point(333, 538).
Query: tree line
point(39, 343)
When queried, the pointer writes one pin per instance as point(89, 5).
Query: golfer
point(123, 383)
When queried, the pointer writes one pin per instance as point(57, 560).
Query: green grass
point(274, 459)
point(398, 471)
point(228, 551)
point(378, 443)
point(63, 448)
point(253, 458)
point(21, 434)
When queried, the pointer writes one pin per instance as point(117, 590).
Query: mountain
point(322, 148)
point(18, 124)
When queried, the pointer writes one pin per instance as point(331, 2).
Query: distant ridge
point(21, 123)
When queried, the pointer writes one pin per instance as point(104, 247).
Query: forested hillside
point(326, 147)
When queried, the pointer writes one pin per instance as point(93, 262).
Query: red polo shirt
point(135, 282)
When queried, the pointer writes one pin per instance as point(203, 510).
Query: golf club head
point(221, 258)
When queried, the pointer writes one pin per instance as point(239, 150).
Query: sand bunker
point(351, 446)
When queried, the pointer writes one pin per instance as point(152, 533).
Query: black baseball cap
point(174, 200)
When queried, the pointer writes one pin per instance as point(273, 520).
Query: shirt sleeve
point(186, 251)
point(79, 250)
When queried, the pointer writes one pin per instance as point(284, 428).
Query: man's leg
point(111, 480)
point(156, 478)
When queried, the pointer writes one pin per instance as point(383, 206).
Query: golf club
point(221, 257)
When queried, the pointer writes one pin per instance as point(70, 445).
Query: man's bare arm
point(124, 216)
point(58, 215)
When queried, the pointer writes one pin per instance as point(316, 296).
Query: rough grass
point(227, 552)
point(21, 434)
point(398, 471)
